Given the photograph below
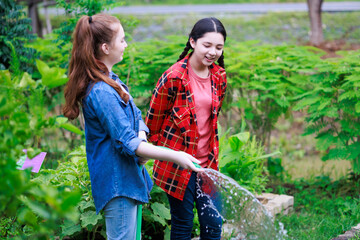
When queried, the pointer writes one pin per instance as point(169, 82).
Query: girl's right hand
point(185, 160)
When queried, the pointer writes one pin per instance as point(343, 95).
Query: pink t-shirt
point(201, 88)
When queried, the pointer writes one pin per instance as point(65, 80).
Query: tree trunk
point(47, 18)
point(35, 20)
point(316, 35)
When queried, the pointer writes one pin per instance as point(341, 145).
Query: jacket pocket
point(182, 117)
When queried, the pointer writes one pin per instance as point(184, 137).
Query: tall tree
point(316, 35)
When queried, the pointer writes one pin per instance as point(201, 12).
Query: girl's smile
point(207, 50)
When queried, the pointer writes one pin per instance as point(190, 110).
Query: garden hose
point(139, 218)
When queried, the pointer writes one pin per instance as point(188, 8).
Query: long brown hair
point(90, 33)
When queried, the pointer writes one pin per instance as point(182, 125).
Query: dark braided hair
point(202, 27)
point(221, 61)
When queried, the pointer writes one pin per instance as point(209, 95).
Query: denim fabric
point(182, 215)
point(111, 132)
point(120, 218)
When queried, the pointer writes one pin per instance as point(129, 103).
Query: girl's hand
point(185, 160)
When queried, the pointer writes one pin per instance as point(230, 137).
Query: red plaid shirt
point(171, 119)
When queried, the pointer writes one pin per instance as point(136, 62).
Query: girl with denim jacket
point(115, 133)
point(183, 116)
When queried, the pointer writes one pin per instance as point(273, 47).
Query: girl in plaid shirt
point(115, 136)
point(183, 116)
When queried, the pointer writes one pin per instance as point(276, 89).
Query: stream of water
point(246, 217)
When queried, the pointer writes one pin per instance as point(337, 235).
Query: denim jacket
point(111, 133)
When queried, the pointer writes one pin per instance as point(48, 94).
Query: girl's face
point(117, 46)
point(207, 49)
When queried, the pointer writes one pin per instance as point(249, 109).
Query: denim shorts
point(182, 215)
point(120, 218)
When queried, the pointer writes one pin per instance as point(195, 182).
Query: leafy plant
point(156, 214)
point(24, 120)
point(242, 158)
point(74, 173)
point(333, 109)
point(15, 28)
point(49, 51)
point(263, 81)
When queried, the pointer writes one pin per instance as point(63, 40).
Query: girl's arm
point(183, 159)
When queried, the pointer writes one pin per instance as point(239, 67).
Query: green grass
point(323, 208)
point(272, 28)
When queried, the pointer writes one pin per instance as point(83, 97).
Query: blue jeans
point(120, 218)
point(182, 215)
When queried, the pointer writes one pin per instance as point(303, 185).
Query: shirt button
point(194, 155)
point(196, 137)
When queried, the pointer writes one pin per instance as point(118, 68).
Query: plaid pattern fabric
point(171, 119)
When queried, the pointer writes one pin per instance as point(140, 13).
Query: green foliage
point(332, 105)
point(51, 77)
point(15, 28)
point(156, 214)
point(264, 80)
point(78, 8)
point(34, 209)
point(275, 168)
point(49, 50)
point(323, 208)
point(74, 174)
point(242, 158)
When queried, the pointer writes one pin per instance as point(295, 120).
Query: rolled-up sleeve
point(143, 127)
point(106, 105)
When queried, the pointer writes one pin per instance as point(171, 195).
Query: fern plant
point(15, 28)
point(333, 107)
point(262, 83)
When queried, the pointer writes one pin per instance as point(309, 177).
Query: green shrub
point(74, 173)
point(243, 158)
point(15, 28)
point(333, 108)
point(263, 81)
point(25, 118)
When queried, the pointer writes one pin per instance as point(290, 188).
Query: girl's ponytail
point(84, 67)
point(221, 61)
point(186, 50)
